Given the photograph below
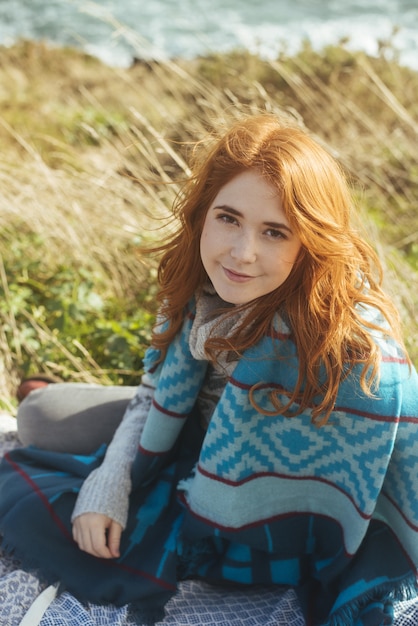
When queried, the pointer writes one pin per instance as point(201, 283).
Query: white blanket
point(196, 603)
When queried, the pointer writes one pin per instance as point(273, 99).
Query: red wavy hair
point(335, 272)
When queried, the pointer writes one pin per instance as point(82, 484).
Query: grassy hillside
point(90, 162)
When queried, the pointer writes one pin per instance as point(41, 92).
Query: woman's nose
point(244, 249)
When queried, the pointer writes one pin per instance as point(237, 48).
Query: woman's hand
point(98, 535)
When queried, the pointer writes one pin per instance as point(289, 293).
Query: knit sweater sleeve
point(106, 490)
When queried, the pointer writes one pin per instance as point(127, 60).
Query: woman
point(273, 437)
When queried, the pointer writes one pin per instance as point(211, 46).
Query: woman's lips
point(236, 277)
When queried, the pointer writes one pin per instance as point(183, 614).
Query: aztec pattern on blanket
point(195, 603)
point(270, 500)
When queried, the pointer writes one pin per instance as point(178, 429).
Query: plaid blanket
point(195, 603)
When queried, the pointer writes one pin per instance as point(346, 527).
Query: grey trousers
point(72, 417)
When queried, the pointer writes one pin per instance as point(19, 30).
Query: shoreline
point(385, 51)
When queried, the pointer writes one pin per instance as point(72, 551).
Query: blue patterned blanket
point(194, 604)
point(256, 500)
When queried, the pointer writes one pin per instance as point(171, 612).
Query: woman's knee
point(72, 417)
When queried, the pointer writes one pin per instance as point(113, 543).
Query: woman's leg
point(72, 417)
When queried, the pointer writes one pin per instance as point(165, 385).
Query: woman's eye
point(227, 219)
point(275, 234)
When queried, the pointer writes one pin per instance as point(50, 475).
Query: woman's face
point(247, 246)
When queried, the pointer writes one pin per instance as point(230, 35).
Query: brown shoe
point(36, 381)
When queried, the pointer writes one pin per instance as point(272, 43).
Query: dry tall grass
point(92, 155)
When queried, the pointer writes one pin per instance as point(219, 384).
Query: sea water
point(119, 30)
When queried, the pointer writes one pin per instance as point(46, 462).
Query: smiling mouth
point(236, 277)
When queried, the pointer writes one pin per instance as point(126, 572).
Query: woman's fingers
point(98, 535)
point(113, 538)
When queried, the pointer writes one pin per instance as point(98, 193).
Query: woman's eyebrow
point(278, 225)
point(229, 209)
